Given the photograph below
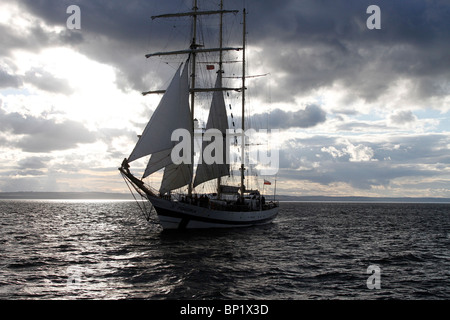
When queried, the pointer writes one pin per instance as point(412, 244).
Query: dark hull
point(177, 215)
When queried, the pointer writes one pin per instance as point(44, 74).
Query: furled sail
point(218, 120)
point(172, 113)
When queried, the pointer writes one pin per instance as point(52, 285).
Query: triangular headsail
point(218, 120)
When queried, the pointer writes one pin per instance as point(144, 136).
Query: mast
point(219, 179)
point(243, 107)
point(194, 46)
point(221, 38)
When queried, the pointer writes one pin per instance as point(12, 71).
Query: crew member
point(125, 165)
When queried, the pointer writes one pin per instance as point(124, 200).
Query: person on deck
point(125, 165)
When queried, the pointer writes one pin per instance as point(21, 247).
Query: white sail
point(158, 161)
point(217, 119)
point(176, 176)
point(172, 113)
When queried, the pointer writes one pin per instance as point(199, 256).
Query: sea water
point(107, 250)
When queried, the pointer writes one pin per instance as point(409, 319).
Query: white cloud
point(333, 151)
point(359, 153)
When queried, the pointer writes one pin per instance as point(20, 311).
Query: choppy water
point(106, 250)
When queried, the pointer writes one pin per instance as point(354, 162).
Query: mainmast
point(194, 46)
point(219, 180)
point(221, 38)
point(244, 36)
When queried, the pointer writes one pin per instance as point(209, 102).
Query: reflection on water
point(105, 250)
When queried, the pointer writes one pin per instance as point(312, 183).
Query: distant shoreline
point(363, 199)
point(128, 196)
point(65, 196)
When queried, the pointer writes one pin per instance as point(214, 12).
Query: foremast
point(194, 46)
point(244, 36)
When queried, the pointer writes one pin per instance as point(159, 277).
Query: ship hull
point(178, 215)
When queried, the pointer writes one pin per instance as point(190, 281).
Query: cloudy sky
point(361, 112)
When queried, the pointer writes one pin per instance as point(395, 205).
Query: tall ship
point(181, 201)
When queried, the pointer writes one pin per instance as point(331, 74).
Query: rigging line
point(131, 191)
point(142, 209)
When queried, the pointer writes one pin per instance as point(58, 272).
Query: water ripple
point(105, 250)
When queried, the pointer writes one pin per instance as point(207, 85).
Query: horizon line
point(84, 195)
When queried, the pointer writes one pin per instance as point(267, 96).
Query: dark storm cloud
point(317, 43)
point(31, 166)
point(33, 163)
point(40, 135)
point(37, 77)
point(309, 44)
point(361, 126)
point(8, 80)
point(403, 117)
point(311, 116)
point(34, 38)
point(47, 82)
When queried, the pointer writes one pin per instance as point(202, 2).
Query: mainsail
point(218, 120)
point(172, 113)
